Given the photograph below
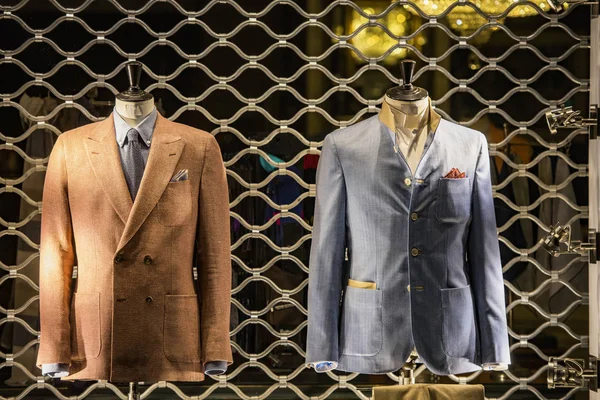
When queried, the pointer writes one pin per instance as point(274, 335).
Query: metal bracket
point(566, 117)
point(594, 116)
point(571, 373)
point(134, 393)
point(558, 5)
point(407, 376)
point(559, 236)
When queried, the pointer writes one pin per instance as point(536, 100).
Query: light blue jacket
point(428, 244)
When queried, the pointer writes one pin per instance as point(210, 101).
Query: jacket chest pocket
point(175, 205)
point(453, 203)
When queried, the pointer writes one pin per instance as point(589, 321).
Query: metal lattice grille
point(270, 83)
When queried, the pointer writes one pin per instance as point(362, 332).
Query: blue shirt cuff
point(324, 366)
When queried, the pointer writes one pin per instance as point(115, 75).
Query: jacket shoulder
point(354, 134)
point(80, 131)
point(463, 132)
point(73, 138)
point(190, 134)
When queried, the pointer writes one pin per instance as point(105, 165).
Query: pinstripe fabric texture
point(428, 243)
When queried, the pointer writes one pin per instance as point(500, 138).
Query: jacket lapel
point(430, 159)
point(165, 151)
point(103, 152)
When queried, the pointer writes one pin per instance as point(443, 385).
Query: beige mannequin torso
point(134, 112)
point(409, 120)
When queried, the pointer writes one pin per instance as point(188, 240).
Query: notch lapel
point(103, 153)
point(165, 151)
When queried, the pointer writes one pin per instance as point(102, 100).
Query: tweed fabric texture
point(124, 319)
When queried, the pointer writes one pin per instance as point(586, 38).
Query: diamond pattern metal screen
point(270, 79)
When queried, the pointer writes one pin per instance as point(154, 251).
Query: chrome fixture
point(558, 242)
point(571, 373)
point(566, 117)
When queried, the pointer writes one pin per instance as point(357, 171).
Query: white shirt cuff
point(55, 370)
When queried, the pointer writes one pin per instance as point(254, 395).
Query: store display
point(404, 260)
point(135, 311)
point(404, 278)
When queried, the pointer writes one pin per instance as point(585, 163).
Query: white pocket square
point(182, 175)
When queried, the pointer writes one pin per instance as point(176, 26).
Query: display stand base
point(134, 393)
point(408, 370)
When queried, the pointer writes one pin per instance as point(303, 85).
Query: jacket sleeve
point(485, 267)
point(326, 257)
point(214, 249)
point(57, 257)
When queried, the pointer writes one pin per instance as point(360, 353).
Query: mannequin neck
point(134, 112)
point(401, 115)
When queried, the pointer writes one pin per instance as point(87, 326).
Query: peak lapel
point(165, 151)
point(103, 152)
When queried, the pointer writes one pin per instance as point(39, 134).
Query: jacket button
point(119, 258)
point(149, 299)
point(147, 260)
point(414, 252)
point(407, 181)
point(414, 216)
point(408, 288)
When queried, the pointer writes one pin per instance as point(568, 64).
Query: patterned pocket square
point(455, 174)
point(182, 175)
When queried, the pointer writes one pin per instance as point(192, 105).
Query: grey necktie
point(134, 162)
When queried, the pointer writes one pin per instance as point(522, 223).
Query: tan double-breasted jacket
point(135, 311)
